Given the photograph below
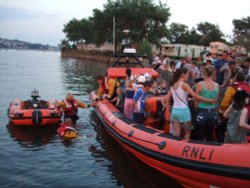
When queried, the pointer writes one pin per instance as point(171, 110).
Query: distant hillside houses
point(22, 45)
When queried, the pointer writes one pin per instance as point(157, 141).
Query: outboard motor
point(35, 96)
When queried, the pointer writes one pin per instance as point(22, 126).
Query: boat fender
point(130, 133)
point(162, 145)
point(113, 123)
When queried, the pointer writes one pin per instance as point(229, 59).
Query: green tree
point(78, 30)
point(194, 37)
point(178, 33)
point(145, 20)
point(86, 30)
point(144, 48)
point(64, 44)
point(209, 32)
point(241, 33)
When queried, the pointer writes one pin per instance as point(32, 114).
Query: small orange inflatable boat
point(192, 163)
point(34, 113)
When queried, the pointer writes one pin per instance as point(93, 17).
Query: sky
point(42, 21)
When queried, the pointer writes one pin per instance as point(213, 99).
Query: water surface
point(37, 157)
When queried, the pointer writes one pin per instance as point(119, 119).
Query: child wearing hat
point(237, 122)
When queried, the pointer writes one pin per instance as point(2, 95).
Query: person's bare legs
point(188, 128)
point(177, 128)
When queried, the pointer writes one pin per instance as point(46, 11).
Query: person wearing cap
point(139, 82)
point(206, 56)
point(107, 87)
point(147, 76)
point(139, 102)
point(237, 123)
point(209, 61)
point(70, 107)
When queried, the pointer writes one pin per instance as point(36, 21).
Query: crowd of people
point(217, 84)
point(216, 76)
point(206, 100)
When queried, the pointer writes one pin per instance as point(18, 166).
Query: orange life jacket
point(71, 108)
point(63, 128)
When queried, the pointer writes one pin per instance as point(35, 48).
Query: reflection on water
point(76, 74)
point(37, 157)
point(32, 136)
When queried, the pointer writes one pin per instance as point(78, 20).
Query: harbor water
point(37, 157)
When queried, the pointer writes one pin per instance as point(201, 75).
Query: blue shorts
point(181, 115)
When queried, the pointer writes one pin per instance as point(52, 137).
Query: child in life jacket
point(118, 101)
point(66, 129)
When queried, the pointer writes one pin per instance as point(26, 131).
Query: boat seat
point(127, 120)
point(30, 104)
point(164, 135)
point(118, 114)
point(144, 128)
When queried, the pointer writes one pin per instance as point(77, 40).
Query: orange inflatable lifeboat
point(34, 112)
point(138, 65)
point(192, 163)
